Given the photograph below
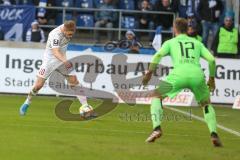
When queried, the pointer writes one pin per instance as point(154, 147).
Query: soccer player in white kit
point(54, 56)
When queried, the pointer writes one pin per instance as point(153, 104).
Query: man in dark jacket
point(105, 19)
point(165, 20)
point(209, 12)
point(187, 7)
point(227, 40)
point(144, 19)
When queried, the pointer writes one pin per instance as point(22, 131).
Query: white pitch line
point(106, 130)
point(202, 120)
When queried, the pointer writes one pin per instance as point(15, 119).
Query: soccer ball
point(85, 111)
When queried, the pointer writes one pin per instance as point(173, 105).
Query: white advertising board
point(18, 69)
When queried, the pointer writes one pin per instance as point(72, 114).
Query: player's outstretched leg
point(210, 118)
point(37, 86)
point(156, 115)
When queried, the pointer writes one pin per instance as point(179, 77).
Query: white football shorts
point(49, 66)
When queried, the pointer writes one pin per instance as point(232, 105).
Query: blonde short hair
point(181, 25)
point(70, 25)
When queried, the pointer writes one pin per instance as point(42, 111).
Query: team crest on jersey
point(55, 42)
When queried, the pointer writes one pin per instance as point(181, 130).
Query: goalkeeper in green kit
point(185, 53)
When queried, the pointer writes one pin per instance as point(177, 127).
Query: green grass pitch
point(118, 135)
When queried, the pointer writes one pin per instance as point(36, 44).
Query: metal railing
point(120, 12)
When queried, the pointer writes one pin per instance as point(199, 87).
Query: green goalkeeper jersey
point(185, 53)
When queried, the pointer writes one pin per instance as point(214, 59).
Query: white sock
point(29, 97)
point(82, 99)
point(27, 101)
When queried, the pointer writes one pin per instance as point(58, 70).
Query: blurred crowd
point(206, 17)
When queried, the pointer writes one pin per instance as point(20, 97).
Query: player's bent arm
point(155, 61)
point(206, 54)
point(212, 66)
point(59, 55)
point(158, 56)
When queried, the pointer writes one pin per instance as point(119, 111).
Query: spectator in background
point(188, 7)
point(165, 21)
point(1, 34)
point(182, 8)
point(209, 12)
point(35, 33)
point(193, 29)
point(47, 16)
point(7, 2)
point(227, 40)
point(105, 19)
point(135, 45)
point(145, 19)
point(229, 5)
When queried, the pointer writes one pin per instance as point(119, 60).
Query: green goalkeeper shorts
point(175, 83)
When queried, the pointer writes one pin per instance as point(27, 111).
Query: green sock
point(156, 112)
point(210, 118)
